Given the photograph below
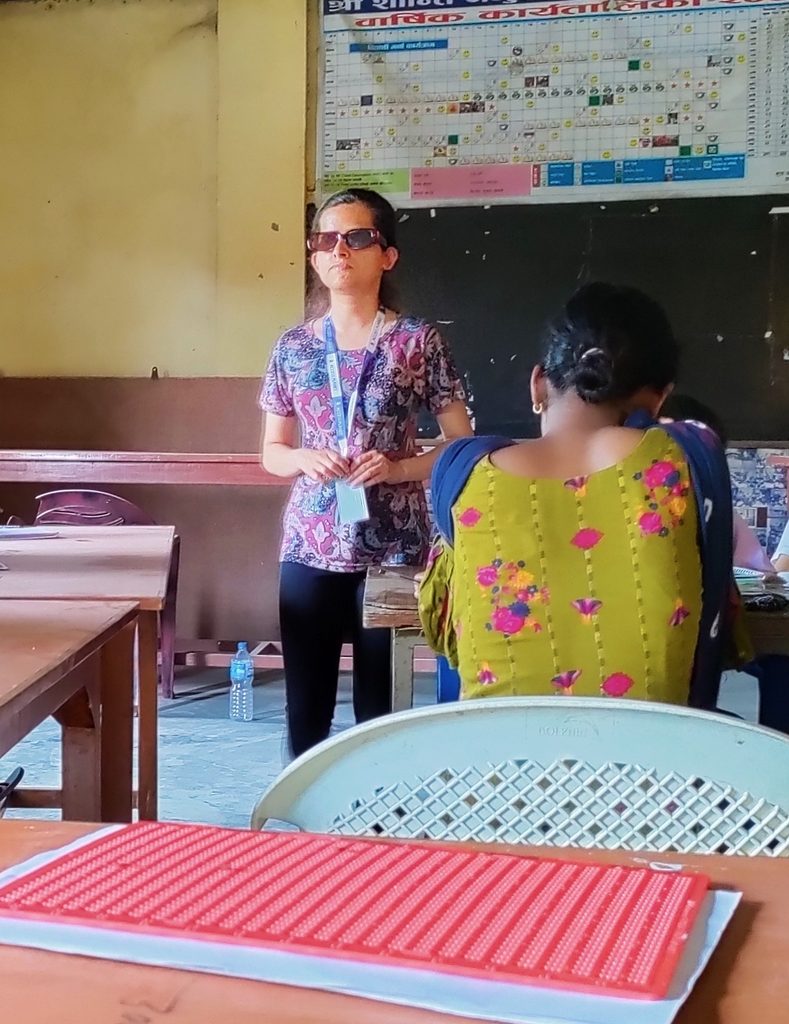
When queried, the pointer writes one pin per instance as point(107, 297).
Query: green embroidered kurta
point(589, 586)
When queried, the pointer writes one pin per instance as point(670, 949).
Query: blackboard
point(492, 277)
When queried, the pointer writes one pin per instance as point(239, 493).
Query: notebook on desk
point(466, 931)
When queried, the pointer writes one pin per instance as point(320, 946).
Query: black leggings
point(318, 609)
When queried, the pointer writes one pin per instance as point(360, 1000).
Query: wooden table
point(746, 979)
point(73, 660)
point(104, 563)
point(390, 602)
point(769, 632)
point(52, 466)
point(95, 467)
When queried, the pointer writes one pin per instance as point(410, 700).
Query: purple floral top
point(412, 368)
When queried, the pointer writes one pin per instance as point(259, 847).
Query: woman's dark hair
point(609, 343)
point(384, 220)
point(685, 407)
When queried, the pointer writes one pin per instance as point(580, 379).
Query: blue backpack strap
point(709, 474)
point(451, 471)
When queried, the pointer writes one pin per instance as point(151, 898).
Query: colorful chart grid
point(610, 99)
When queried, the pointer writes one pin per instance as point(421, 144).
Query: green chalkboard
point(493, 276)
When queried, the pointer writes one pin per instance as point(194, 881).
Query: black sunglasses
point(356, 238)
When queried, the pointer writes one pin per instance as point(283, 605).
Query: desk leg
point(80, 721)
point(147, 637)
point(117, 733)
point(403, 643)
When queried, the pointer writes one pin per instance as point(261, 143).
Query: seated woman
point(575, 563)
point(781, 556)
point(771, 670)
point(748, 552)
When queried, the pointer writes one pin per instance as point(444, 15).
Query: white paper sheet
point(485, 1000)
point(27, 533)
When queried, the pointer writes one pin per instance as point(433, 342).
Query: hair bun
point(608, 343)
point(593, 378)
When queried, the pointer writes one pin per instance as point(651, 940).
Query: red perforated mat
point(589, 927)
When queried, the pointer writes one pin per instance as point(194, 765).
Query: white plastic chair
point(553, 771)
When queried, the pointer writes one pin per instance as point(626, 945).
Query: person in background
point(341, 398)
point(578, 563)
point(781, 556)
point(770, 670)
point(748, 551)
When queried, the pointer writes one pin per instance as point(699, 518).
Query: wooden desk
point(89, 467)
point(389, 602)
point(769, 631)
point(73, 660)
point(109, 563)
point(746, 979)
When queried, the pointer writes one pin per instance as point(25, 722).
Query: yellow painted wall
point(144, 160)
point(262, 111)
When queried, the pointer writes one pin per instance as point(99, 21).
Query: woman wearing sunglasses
point(341, 399)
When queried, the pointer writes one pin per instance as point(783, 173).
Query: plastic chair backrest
point(548, 771)
point(88, 508)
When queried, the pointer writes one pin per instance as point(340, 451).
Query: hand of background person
point(322, 466)
point(418, 583)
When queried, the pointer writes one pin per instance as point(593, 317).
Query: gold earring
point(537, 408)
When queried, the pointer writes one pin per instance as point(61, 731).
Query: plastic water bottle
point(242, 672)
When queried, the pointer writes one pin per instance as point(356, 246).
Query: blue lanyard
point(344, 416)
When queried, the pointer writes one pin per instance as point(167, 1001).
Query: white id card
point(351, 503)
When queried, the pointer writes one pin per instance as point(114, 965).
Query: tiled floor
point(213, 770)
